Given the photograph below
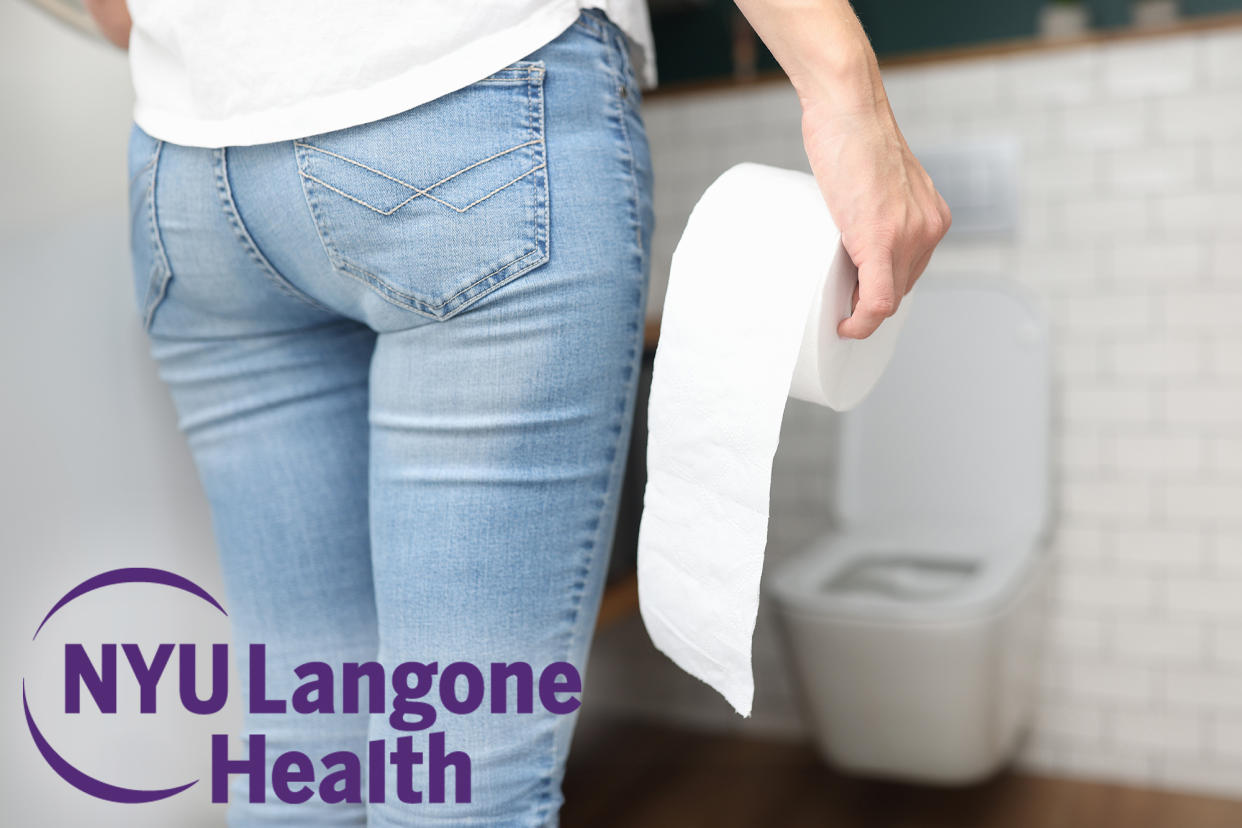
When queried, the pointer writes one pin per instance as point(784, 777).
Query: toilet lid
point(955, 436)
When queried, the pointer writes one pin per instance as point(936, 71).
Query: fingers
point(877, 298)
point(885, 278)
point(917, 271)
point(938, 226)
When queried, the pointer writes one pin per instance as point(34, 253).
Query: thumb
point(877, 297)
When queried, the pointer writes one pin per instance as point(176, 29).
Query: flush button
point(979, 180)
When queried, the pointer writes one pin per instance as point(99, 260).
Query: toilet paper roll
point(759, 282)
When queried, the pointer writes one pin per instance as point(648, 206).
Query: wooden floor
point(655, 777)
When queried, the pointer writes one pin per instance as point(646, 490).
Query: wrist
point(846, 81)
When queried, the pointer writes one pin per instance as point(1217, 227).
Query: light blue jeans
point(404, 355)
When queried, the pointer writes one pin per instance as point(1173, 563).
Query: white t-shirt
point(215, 73)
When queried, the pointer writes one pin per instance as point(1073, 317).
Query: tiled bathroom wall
point(1130, 234)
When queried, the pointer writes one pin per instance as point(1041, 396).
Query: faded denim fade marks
point(405, 356)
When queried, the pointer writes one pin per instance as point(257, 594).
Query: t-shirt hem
point(352, 107)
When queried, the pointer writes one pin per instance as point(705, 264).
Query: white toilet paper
point(758, 284)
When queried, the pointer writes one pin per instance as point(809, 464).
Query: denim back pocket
point(437, 206)
point(150, 265)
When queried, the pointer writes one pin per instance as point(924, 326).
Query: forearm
point(112, 17)
point(822, 48)
point(885, 206)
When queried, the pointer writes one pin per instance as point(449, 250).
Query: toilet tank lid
point(955, 436)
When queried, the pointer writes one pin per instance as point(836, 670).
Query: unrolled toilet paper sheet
point(758, 284)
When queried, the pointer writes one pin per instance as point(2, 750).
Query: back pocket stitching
point(479, 287)
point(370, 278)
point(418, 191)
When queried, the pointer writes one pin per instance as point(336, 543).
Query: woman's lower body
point(404, 355)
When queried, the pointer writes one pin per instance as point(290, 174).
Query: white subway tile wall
point(1131, 235)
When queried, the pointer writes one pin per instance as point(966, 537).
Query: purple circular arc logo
point(75, 777)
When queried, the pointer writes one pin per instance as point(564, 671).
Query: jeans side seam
point(537, 125)
point(225, 191)
point(618, 460)
point(150, 161)
point(626, 72)
point(157, 282)
point(617, 428)
point(588, 22)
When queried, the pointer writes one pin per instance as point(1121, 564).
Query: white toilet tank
point(914, 627)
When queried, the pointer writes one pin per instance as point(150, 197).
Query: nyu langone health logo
point(293, 776)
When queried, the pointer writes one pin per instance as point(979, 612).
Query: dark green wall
point(694, 41)
point(1192, 7)
point(896, 26)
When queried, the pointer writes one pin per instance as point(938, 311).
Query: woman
point(392, 257)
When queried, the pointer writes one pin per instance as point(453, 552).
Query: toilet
point(914, 627)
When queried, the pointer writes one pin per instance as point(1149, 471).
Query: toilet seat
point(894, 580)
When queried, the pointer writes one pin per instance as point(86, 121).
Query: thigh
point(498, 444)
point(271, 392)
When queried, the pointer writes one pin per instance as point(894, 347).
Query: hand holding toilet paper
point(758, 284)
